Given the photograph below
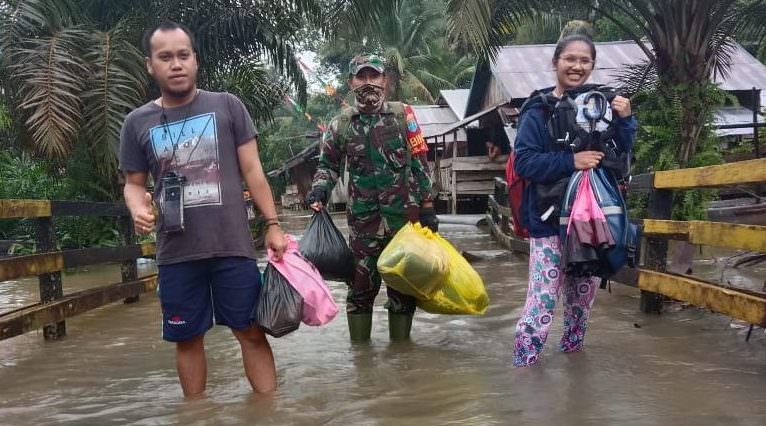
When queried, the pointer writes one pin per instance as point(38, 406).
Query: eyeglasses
point(573, 60)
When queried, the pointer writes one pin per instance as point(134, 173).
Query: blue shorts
point(197, 293)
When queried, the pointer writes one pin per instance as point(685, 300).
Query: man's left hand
point(428, 218)
point(275, 240)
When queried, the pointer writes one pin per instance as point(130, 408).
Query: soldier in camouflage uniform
point(388, 186)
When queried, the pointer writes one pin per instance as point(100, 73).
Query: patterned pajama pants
point(545, 283)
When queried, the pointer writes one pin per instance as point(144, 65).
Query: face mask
point(369, 97)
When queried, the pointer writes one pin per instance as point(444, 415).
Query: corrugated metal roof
point(460, 126)
point(456, 99)
point(433, 119)
point(523, 69)
point(734, 115)
point(433, 114)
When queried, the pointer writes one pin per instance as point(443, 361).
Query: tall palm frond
point(540, 28)
point(73, 67)
point(22, 18)
point(442, 69)
point(234, 32)
point(260, 91)
point(487, 25)
point(636, 78)
point(50, 73)
point(117, 85)
point(356, 16)
point(751, 21)
point(5, 118)
point(415, 90)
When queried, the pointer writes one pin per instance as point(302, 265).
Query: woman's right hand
point(585, 160)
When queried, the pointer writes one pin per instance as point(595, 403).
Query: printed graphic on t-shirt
point(194, 144)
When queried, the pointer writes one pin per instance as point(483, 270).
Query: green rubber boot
point(359, 326)
point(399, 326)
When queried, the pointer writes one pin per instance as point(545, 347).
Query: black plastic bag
point(324, 246)
point(280, 306)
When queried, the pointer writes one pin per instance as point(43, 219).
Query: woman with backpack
point(541, 161)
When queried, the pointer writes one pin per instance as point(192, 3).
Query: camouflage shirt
point(376, 156)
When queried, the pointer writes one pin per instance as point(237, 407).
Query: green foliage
point(22, 177)
point(412, 36)
point(72, 69)
point(291, 132)
point(26, 178)
point(689, 39)
point(658, 140)
point(606, 29)
point(539, 28)
point(5, 117)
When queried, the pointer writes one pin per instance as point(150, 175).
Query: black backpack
point(565, 133)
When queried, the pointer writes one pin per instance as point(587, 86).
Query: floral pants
point(545, 283)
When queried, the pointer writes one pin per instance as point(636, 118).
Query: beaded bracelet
point(272, 221)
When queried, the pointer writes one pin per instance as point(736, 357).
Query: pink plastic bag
point(586, 219)
point(319, 308)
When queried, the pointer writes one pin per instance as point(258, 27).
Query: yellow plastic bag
point(413, 262)
point(462, 293)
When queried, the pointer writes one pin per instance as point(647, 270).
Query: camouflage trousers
point(369, 236)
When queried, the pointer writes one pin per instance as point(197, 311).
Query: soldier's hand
point(316, 199)
point(429, 219)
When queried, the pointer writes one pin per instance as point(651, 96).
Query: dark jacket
point(537, 162)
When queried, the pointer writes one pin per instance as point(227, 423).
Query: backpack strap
point(561, 122)
point(398, 109)
point(344, 121)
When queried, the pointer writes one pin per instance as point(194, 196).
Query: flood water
point(684, 367)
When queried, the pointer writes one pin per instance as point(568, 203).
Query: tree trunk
point(393, 85)
point(694, 110)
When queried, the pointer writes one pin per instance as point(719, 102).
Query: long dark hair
point(566, 41)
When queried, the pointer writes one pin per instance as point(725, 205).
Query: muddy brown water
point(684, 367)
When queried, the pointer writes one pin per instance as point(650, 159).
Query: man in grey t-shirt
point(207, 268)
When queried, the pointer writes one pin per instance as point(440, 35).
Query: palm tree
point(401, 35)
point(72, 69)
point(689, 40)
point(442, 68)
